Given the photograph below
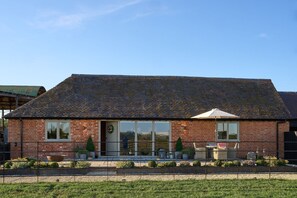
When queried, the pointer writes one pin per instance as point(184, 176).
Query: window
point(58, 130)
point(127, 137)
point(227, 131)
point(144, 138)
point(162, 130)
point(151, 136)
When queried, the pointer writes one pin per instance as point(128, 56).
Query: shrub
point(262, 163)
point(218, 163)
point(7, 164)
point(31, 162)
point(161, 165)
point(184, 164)
point(248, 163)
point(40, 164)
point(171, 164)
point(190, 151)
point(72, 164)
point(152, 164)
point(179, 145)
point(125, 164)
point(83, 151)
point(236, 163)
point(82, 164)
point(53, 165)
point(279, 162)
point(273, 161)
point(196, 163)
point(231, 164)
point(167, 164)
point(20, 163)
point(90, 145)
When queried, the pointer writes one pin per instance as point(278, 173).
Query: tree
point(179, 145)
point(90, 145)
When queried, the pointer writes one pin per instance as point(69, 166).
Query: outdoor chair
point(200, 152)
point(232, 151)
point(221, 152)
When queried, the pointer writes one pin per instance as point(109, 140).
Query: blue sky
point(44, 42)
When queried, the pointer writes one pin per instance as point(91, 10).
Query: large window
point(144, 138)
point(57, 130)
point(227, 131)
point(162, 130)
point(127, 138)
point(151, 136)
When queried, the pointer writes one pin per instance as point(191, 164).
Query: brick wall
point(253, 135)
point(34, 131)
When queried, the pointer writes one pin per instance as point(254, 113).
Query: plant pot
point(178, 154)
point(92, 154)
point(185, 156)
point(76, 155)
point(83, 156)
point(55, 158)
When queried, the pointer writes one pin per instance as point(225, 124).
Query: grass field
point(185, 188)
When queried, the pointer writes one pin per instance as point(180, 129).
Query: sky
point(44, 42)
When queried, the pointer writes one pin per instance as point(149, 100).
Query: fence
point(237, 160)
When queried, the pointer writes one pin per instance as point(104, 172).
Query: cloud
point(148, 12)
point(263, 35)
point(54, 19)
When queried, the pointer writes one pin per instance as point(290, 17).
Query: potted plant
point(185, 154)
point(83, 154)
point(91, 147)
point(178, 148)
point(76, 150)
point(188, 153)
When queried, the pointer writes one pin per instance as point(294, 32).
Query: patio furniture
point(200, 152)
point(232, 151)
point(210, 146)
point(162, 153)
point(251, 156)
point(221, 152)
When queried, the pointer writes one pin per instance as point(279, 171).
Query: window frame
point(153, 134)
point(227, 139)
point(58, 131)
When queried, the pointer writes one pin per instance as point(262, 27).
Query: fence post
point(3, 156)
point(38, 163)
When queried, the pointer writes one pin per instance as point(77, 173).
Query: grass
point(184, 188)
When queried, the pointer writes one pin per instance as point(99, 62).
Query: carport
point(11, 97)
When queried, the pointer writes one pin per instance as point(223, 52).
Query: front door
point(112, 138)
point(103, 138)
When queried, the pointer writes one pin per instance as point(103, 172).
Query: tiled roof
point(290, 100)
point(11, 94)
point(154, 97)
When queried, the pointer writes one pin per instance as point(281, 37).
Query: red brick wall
point(34, 131)
point(253, 135)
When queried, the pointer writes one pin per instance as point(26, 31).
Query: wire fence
point(70, 161)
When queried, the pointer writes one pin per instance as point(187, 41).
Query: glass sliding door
point(144, 137)
point(162, 131)
point(150, 136)
point(127, 138)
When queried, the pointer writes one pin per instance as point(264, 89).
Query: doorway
point(103, 138)
point(109, 138)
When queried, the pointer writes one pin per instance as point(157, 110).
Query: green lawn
point(186, 188)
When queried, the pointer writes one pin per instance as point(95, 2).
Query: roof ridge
point(166, 76)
